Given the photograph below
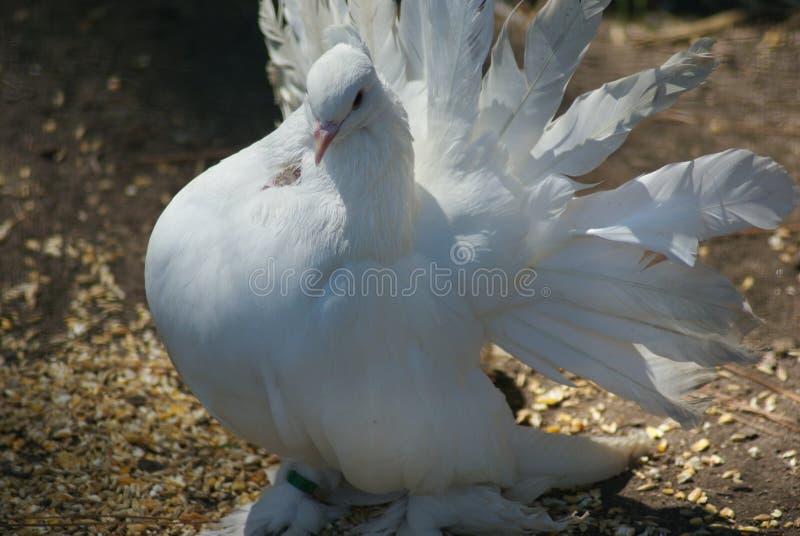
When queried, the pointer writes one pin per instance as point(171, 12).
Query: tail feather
point(375, 20)
point(294, 36)
point(670, 210)
point(621, 367)
point(517, 105)
point(705, 349)
point(456, 39)
point(288, 66)
point(598, 122)
point(411, 38)
point(644, 333)
point(625, 306)
point(617, 279)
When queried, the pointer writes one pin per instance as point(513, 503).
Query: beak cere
point(323, 136)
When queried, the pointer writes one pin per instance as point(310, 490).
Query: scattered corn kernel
point(685, 475)
point(725, 418)
point(748, 283)
point(654, 433)
point(727, 513)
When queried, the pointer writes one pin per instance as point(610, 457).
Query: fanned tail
point(625, 305)
point(640, 330)
point(618, 298)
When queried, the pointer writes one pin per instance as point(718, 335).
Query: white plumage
point(399, 158)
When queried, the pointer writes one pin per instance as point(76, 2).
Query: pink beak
point(323, 136)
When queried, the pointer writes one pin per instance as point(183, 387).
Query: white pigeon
point(326, 292)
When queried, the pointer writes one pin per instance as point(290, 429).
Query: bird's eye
point(357, 100)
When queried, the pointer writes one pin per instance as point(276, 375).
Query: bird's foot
point(475, 510)
point(291, 505)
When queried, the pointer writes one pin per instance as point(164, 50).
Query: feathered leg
point(544, 461)
point(287, 507)
point(474, 510)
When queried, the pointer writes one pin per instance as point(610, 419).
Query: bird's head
point(344, 94)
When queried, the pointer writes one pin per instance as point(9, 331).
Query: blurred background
point(641, 8)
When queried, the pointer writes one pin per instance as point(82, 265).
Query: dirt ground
point(108, 108)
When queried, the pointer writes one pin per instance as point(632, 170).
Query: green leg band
point(300, 482)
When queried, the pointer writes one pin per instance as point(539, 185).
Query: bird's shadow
point(621, 509)
point(505, 383)
point(675, 519)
